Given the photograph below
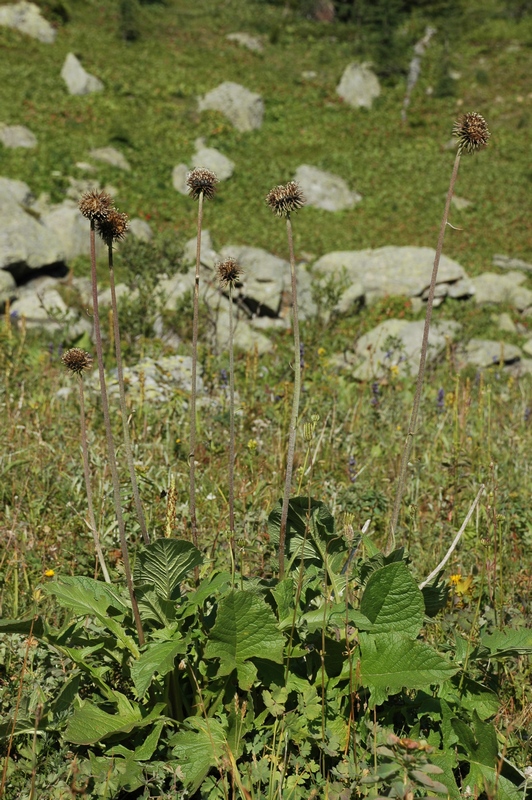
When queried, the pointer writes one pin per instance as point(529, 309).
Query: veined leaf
point(163, 564)
point(391, 662)
point(245, 627)
point(392, 601)
point(90, 724)
point(198, 749)
point(93, 598)
point(157, 658)
point(508, 642)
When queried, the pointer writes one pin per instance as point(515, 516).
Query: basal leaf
point(391, 662)
point(392, 601)
point(245, 627)
point(157, 658)
point(198, 749)
point(163, 564)
point(310, 529)
point(92, 598)
point(508, 642)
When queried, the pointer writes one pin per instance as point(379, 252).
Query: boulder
point(13, 191)
point(243, 108)
point(359, 86)
point(66, 222)
point(394, 346)
point(79, 81)
point(17, 136)
point(111, 156)
point(46, 310)
point(25, 242)
point(492, 288)
point(208, 255)
point(156, 379)
point(325, 190)
point(486, 353)
point(179, 178)
point(210, 158)
point(507, 262)
point(26, 18)
point(140, 229)
point(387, 271)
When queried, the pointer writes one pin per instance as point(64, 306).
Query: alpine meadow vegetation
point(277, 584)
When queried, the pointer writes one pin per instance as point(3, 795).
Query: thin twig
point(456, 539)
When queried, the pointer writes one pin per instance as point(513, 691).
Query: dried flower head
point(114, 227)
point(95, 205)
point(284, 199)
point(201, 181)
point(472, 132)
point(77, 360)
point(228, 273)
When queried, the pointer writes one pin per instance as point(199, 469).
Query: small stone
point(111, 156)
point(359, 86)
point(78, 81)
point(243, 108)
point(246, 40)
point(17, 136)
point(324, 189)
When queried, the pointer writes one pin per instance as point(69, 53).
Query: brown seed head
point(114, 227)
point(77, 360)
point(228, 273)
point(472, 132)
point(95, 205)
point(284, 199)
point(201, 181)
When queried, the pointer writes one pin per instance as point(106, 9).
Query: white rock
point(243, 108)
point(210, 158)
point(26, 18)
point(324, 190)
point(78, 81)
point(246, 40)
point(112, 156)
point(17, 136)
point(179, 178)
point(359, 86)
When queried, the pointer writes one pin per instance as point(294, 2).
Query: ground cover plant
point(322, 669)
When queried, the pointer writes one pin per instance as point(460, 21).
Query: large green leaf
point(93, 598)
point(481, 751)
point(503, 644)
point(245, 628)
point(157, 658)
point(198, 749)
point(309, 529)
point(164, 564)
point(391, 662)
point(392, 601)
point(90, 724)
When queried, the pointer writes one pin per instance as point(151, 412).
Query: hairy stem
point(195, 325)
point(110, 443)
point(123, 410)
point(295, 401)
point(231, 422)
point(407, 448)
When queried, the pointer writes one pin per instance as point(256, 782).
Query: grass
point(479, 432)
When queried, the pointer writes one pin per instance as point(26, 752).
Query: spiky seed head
point(77, 360)
point(201, 181)
point(228, 273)
point(114, 227)
point(472, 132)
point(285, 199)
point(95, 205)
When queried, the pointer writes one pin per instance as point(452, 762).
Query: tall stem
point(407, 448)
point(109, 438)
point(86, 470)
point(295, 401)
point(195, 324)
point(231, 422)
point(123, 409)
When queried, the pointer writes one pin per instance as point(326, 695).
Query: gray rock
point(208, 255)
point(244, 109)
point(140, 229)
point(493, 288)
point(161, 378)
point(175, 288)
point(26, 18)
point(246, 40)
point(7, 287)
point(460, 203)
point(486, 353)
point(460, 289)
point(45, 310)
point(359, 86)
point(395, 346)
point(17, 136)
point(25, 242)
point(387, 271)
point(111, 156)
point(79, 81)
point(246, 337)
point(264, 279)
point(505, 323)
point(121, 290)
point(325, 190)
point(66, 222)
point(13, 191)
point(179, 178)
point(506, 262)
point(527, 347)
point(210, 158)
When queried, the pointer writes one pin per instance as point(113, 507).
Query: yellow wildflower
point(49, 573)
point(454, 579)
